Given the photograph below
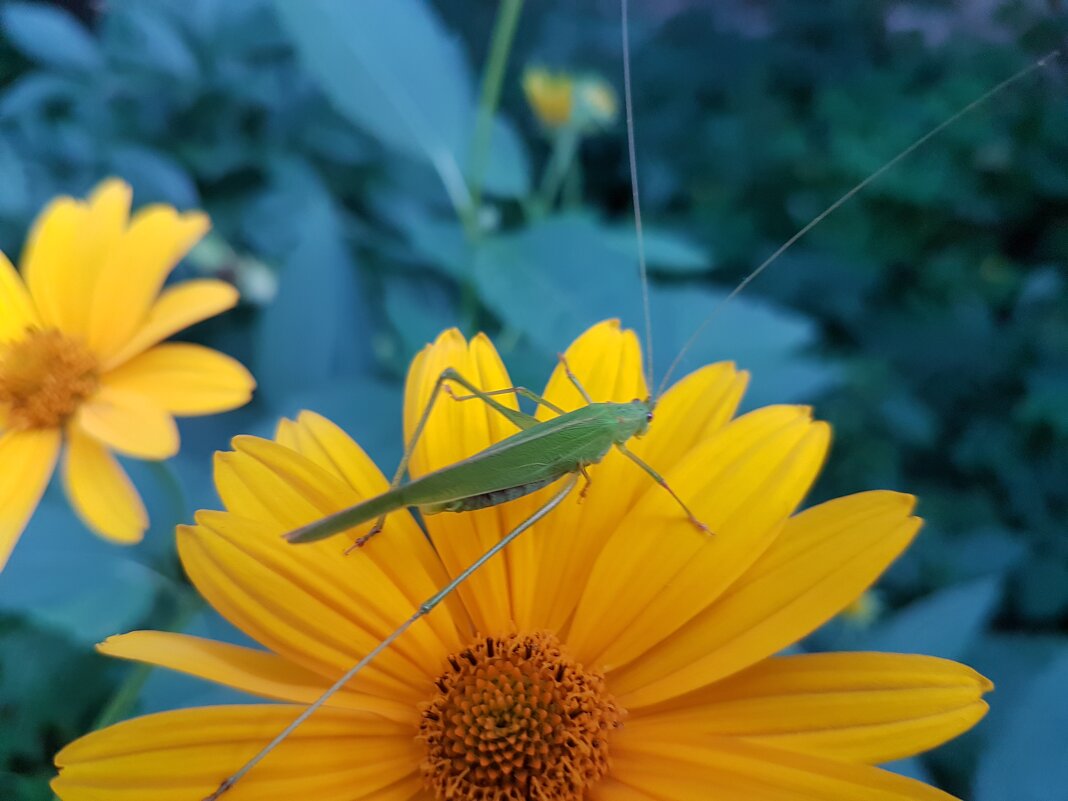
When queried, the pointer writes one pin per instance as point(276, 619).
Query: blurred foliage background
point(335, 146)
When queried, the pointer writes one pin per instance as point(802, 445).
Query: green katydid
point(542, 452)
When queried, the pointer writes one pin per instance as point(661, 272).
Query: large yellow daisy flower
point(80, 363)
point(614, 654)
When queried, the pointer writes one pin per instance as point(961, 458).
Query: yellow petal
point(28, 458)
point(266, 481)
point(691, 411)
point(823, 560)
point(685, 769)
point(455, 431)
point(108, 209)
point(553, 560)
point(51, 263)
point(100, 491)
point(337, 755)
point(857, 707)
point(134, 272)
point(177, 308)
point(257, 672)
point(185, 379)
point(308, 603)
point(403, 554)
point(658, 571)
point(16, 309)
point(611, 789)
point(129, 423)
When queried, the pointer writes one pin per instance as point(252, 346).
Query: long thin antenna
point(643, 271)
point(1042, 62)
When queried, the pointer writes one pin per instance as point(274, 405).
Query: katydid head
point(632, 419)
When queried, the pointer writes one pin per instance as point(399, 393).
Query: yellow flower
point(550, 95)
point(613, 654)
point(80, 363)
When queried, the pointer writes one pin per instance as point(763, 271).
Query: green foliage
point(331, 142)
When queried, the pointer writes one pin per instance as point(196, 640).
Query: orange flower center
point(515, 719)
point(44, 378)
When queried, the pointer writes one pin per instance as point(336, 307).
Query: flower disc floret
point(44, 378)
point(514, 719)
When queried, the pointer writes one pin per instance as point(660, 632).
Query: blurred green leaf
point(316, 329)
point(49, 692)
point(1047, 401)
point(1029, 761)
point(391, 68)
point(555, 278)
point(757, 336)
point(34, 92)
point(65, 578)
point(943, 624)
point(665, 251)
point(146, 37)
point(49, 35)
point(154, 176)
point(508, 166)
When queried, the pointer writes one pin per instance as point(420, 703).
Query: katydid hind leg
point(402, 468)
point(424, 609)
point(441, 384)
point(659, 479)
point(522, 392)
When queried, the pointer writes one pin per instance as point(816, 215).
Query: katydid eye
point(649, 417)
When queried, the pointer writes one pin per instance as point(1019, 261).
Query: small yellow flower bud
point(551, 96)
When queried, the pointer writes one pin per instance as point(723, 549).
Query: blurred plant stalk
point(503, 36)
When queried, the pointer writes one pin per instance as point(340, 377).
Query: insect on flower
point(618, 654)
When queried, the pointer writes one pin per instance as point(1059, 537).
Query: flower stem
point(492, 81)
point(565, 146)
point(125, 697)
point(174, 592)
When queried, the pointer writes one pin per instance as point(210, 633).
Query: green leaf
point(757, 336)
point(1047, 400)
point(391, 68)
point(508, 165)
point(64, 578)
point(1028, 761)
point(318, 327)
point(143, 35)
point(665, 251)
point(943, 624)
point(555, 278)
point(50, 689)
point(561, 275)
point(48, 35)
point(155, 176)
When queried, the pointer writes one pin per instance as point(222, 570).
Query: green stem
point(565, 147)
point(186, 604)
point(122, 702)
point(125, 697)
point(504, 29)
